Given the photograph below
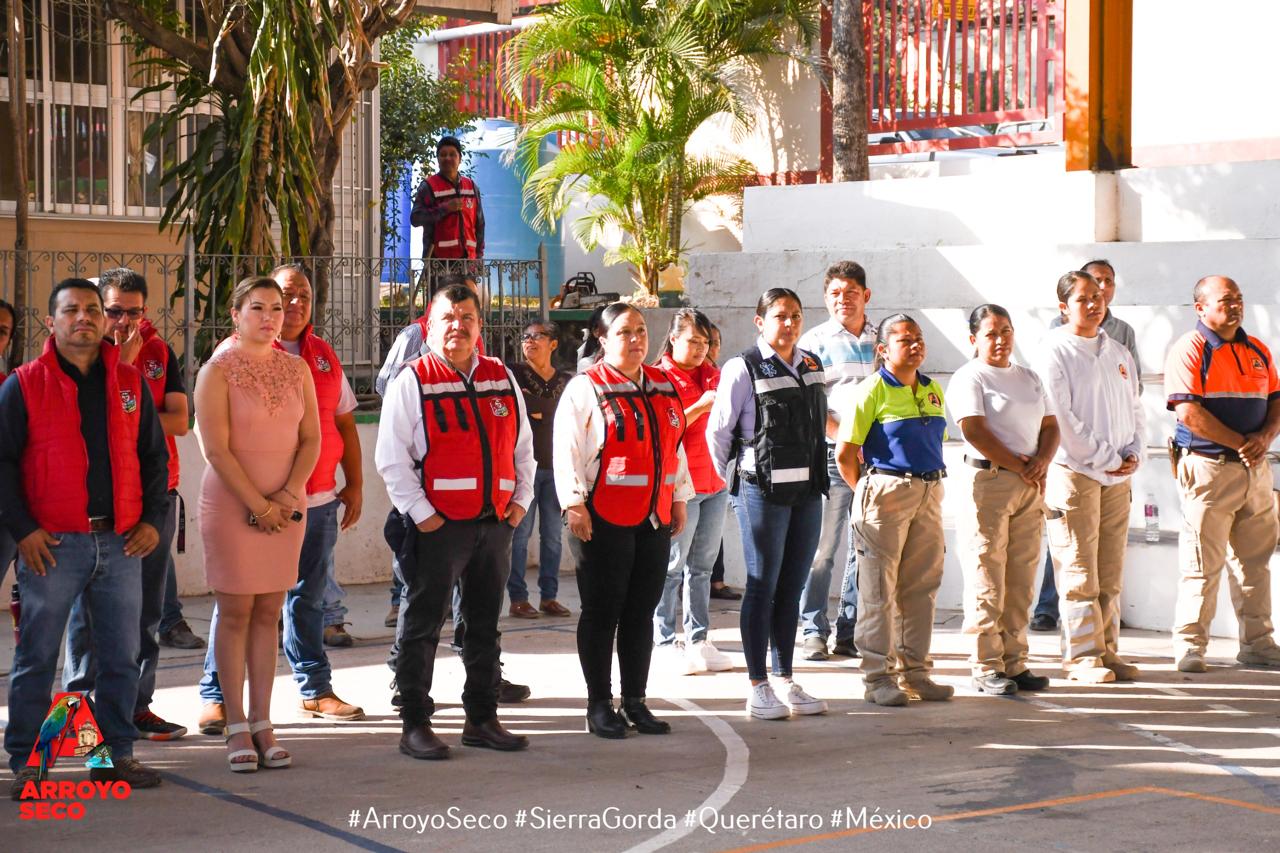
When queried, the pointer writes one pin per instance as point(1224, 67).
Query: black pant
point(477, 553)
point(620, 580)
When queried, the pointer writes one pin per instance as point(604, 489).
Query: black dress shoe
point(603, 721)
point(491, 735)
point(638, 715)
point(1028, 680)
point(420, 742)
point(1044, 623)
point(725, 593)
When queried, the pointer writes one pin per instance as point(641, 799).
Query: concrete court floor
point(1170, 763)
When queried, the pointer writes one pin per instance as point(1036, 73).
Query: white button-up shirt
point(1092, 384)
point(577, 437)
point(402, 444)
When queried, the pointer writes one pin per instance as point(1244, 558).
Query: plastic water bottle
point(1151, 514)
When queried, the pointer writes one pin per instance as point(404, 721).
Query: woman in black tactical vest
point(769, 418)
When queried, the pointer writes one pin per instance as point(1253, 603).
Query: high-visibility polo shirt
point(1234, 380)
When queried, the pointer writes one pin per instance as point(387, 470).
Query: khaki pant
point(897, 525)
point(1227, 514)
point(1088, 527)
point(999, 546)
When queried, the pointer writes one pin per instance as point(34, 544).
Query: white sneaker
point(704, 657)
point(803, 703)
point(764, 705)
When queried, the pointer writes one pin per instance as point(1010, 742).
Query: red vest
point(639, 459)
point(471, 427)
point(326, 371)
point(153, 361)
point(691, 386)
point(55, 463)
point(455, 233)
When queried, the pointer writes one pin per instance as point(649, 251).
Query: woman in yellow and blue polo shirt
point(896, 423)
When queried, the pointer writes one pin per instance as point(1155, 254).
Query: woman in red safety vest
point(622, 477)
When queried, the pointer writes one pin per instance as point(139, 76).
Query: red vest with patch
point(640, 456)
point(454, 235)
point(471, 428)
point(691, 385)
point(55, 462)
point(326, 371)
point(153, 362)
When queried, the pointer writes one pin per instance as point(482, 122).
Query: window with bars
point(85, 127)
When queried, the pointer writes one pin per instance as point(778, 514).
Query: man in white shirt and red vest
point(83, 475)
point(456, 453)
point(447, 209)
point(339, 445)
point(124, 301)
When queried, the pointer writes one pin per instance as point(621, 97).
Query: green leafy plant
point(626, 84)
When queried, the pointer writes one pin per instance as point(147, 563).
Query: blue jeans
point(817, 589)
point(303, 616)
point(335, 613)
point(79, 671)
point(547, 508)
point(778, 543)
point(95, 565)
point(693, 554)
point(1047, 603)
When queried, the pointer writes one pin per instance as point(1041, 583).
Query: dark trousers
point(477, 554)
point(620, 578)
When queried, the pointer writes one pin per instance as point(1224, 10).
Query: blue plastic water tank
point(507, 234)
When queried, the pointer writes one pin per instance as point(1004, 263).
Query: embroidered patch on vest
point(152, 369)
point(128, 402)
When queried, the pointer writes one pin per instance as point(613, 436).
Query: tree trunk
point(849, 112)
point(18, 117)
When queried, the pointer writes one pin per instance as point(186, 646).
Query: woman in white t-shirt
point(1010, 436)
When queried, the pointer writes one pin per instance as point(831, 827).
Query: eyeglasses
point(532, 336)
point(117, 313)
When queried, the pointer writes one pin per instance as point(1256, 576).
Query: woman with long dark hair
point(622, 478)
point(768, 419)
point(693, 552)
point(1010, 437)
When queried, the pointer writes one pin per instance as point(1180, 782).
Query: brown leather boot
point(329, 707)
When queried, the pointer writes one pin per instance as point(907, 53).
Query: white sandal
point(240, 766)
point(274, 757)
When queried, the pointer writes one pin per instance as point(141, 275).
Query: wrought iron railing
point(368, 302)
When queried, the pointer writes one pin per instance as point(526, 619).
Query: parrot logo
point(54, 729)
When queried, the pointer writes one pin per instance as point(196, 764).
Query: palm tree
point(627, 83)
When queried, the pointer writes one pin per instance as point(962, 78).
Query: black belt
point(927, 476)
point(102, 524)
point(1223, 456)
point(984, 464)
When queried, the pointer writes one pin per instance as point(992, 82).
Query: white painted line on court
point(736, 758)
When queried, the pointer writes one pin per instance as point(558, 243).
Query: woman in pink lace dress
point(260, 433)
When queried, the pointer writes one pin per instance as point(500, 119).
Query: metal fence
point(369, 299)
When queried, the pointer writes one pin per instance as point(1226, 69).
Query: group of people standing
point(812, 438)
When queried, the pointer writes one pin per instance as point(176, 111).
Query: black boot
point(637, 713)
point(603, 721)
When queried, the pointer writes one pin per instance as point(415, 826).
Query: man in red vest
point(304, 629)
point(124, 300)
point(447, 209)
point(456, 454)
point(83, 488)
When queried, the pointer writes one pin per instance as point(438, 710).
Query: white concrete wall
point(1200, 71)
